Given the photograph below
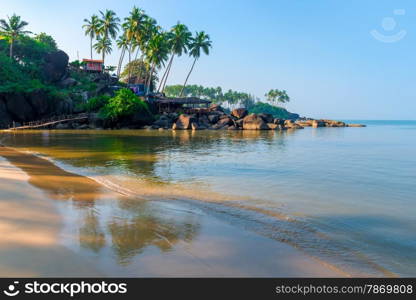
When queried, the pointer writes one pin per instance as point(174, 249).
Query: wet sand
point(51, 224)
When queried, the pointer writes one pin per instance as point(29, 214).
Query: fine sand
point(37, 238)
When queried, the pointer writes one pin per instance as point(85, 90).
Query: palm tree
point(179, 39)
point(103, 46)
point(12, 28)
point(109, 23)
point(92, 29)
point(200, 42)
point(277, 96)
point(122, 44)
point(157, 52)
point(133, 27)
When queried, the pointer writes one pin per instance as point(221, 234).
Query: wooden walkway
point(51, 121)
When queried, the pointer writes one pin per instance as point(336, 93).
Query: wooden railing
point(50, 121)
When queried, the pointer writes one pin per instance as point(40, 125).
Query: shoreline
point(184, 258)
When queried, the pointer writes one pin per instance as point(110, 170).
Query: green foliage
point(266, 108)
point(277, 96)
point(124, 103)
point(216, 95)
point(47, 41)
point(96, 103)
point(138, 72)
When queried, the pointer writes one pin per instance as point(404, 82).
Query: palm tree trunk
point(149, 82)
point(187, 77)
point(166, 72)
point(11, 49)
point(103, 60)
point(167, 75)
point(137, 53)
point(120, 61)
point(91, 46)
point(128, 78)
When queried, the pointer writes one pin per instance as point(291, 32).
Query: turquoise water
point(345, 195)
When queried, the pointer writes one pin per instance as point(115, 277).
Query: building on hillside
point(93, 65)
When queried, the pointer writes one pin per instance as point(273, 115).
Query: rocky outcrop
point(239, 113)
point(254, 122)
point(55, 66)
point(185, 121)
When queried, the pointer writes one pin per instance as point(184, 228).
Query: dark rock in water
point(225, 122)
point(268, 118)
point(163, 122)
point(279, 121)
point(55, 66)
point(195, 126)
point(213, 118)
point(254, 122)
point(356, 125)
point(318, 123)
point(19, 108)
point(203, 121)
point(185, 121)
point(239, 123)
point(273, 126)
point(239, 113)
point(289, 124)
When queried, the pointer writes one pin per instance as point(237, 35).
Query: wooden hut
point(93, 65)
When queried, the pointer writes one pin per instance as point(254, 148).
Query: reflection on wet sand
point(135, 227)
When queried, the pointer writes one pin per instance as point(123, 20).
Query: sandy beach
point(36, 235)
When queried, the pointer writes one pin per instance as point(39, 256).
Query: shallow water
point(346, 195)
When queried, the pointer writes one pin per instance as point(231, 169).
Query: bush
point(96, 103)
point(125, 103)
point(266, 108)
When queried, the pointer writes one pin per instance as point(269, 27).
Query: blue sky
point(321, 52)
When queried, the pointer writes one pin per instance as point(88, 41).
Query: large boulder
point(40, 103)
point(68, 82)
point(239, 113)
point(268, 118)
point(254, 122)
point(19, 109)
point(5, 118)
point(163, 122)
point(224, 122)
point(213, 118)
point(55, 66)
point(290, 124)
point(318, 123)
point(185, 122)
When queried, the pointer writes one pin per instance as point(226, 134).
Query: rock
point(164, 121)
point(239, 113)
point(232, 128)
point(213, 118)
point(289, 124)
point(67, 82)
point(273, 126)
point(95, 120)
point(174, 126)
point(195, 126)
point(318, 123)
point(333, 123)
point(203, 121)
point(5, 118)
point(268, 118)
point(215, 107)
point(279, 121)
point(62, 126)
point(306, 123)
point(55, 66)
point(185, 121)
point(225, 122)
point(356, 125)
point(83, 126)
point(19, 109)
point(254, 122)
point(239, 123)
